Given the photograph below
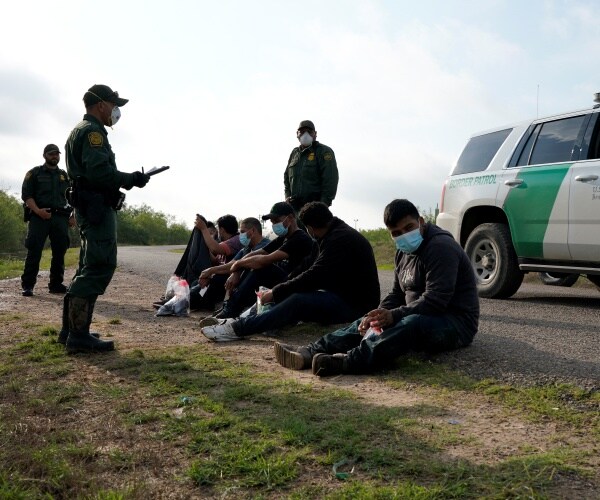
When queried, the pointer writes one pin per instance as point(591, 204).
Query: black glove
point(140, 179)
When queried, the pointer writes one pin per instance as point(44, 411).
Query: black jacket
point(345, 266)
point(437, 279)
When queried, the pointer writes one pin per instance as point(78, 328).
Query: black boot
point(64, 331)
point(292, 357)
point(80, 318)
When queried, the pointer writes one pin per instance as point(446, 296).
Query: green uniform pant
point(97, 256)
point(57, 228)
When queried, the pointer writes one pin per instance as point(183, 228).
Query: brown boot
point(80, 318)
point(292, 357)
point(326, 365)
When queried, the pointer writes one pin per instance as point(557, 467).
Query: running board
point(549, 268)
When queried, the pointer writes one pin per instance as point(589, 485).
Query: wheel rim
point(484, 259)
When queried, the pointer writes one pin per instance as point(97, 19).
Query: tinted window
point(524, 157)
point(479, 151)
point(556, 141)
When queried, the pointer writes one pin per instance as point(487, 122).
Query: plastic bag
point(170, 291)
point(179, 303)
point(260, 307)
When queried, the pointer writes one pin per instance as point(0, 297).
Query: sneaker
point(326, 365)
point(221, 332)
point(209, 321)
point(292, 357)
point(60, 288)
point(27, 292)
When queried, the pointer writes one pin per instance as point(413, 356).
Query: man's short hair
point(229, 223)
point(315, 214)
point(252, 222)
point(209, 223)
point(396, 210)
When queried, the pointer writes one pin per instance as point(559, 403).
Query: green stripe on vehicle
point(528, 207)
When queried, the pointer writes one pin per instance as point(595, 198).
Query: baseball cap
point(97, 93)
point(280, 209)
point(51, 148)
point(306, 124)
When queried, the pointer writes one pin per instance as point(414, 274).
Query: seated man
point(270, 265)
point(211, 282)
point(342, 282)
point(203, 251)
point(433, 305)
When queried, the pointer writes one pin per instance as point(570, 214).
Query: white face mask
point(306, 139)
point(115, 114)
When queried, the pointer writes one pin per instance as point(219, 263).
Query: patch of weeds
point(141, 418)
point(47, 331)
point(9, 317)
point(115, 321)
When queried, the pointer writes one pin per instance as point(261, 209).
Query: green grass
point(237, 431)
point(11, 268)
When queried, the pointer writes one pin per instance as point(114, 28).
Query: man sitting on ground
point(341, 284)
point(203, 251)
point(272, 264)
point(433, 305)
point(211, 283)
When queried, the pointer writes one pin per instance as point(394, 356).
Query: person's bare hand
point(232, 282)
point(379, 318)
point(266, 297)
point(199, 224)
point(44, 213)
point(203, 282)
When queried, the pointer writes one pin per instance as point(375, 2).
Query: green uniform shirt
point(46, 186)
point(311, 174)
point(89, 156)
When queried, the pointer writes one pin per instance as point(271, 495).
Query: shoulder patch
point(328, 156)
point(28, 175)
point(95, 139)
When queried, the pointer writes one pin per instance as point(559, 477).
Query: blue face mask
point(409, 242)
point(244, 239)
point(279, 229)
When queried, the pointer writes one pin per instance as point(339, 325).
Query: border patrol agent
point(47, 212)
point(96, 197)
point(311, 173)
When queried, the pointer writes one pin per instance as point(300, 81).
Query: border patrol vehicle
point(526, 198)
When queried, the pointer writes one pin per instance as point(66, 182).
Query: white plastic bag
point(170, 291)
point(260, 307)
point(179, 303)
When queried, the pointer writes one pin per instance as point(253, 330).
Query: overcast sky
point(217, 89)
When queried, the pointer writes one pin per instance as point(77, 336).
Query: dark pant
point(195, 258)
point(245, 294)
point(416, 332)
point(97, 255)
point(214, 293)
point(57, 228)
point(321, 306)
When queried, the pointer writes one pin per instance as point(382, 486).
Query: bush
point(144, 226)
point(12, 227)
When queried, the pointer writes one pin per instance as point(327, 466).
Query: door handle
point(513, 182)
point(586, 178)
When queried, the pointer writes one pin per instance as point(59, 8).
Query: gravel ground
point(542, 334)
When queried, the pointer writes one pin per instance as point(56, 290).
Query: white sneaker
point(222, 332)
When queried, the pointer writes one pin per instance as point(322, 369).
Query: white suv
point(526, 197)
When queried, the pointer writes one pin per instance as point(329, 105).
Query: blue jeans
point(416, 332)
point(320, 306)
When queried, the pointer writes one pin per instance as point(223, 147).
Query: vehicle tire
point(558, 279)
point(595, 279)
point(494, 261)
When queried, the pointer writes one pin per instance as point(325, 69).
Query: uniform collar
point(93, 119)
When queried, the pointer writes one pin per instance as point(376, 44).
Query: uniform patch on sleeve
point(95, 139)
point(28, 175)
point(328, 156)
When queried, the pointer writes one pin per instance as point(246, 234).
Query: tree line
point(135, 226)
